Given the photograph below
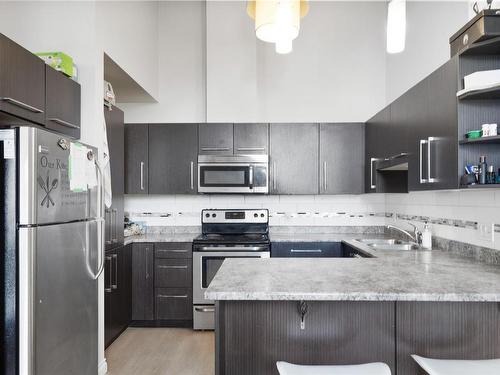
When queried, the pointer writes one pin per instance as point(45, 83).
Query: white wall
point(181, 75)
point(128, 33)
point(429, 27)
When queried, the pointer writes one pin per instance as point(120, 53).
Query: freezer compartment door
point(45, 195)
point(65, 300)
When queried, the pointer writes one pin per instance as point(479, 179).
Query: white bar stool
point(376, 368)
point(458, 366)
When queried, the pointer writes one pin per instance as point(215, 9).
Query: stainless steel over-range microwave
point(241, 174)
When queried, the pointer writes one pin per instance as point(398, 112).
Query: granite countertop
point(161, 237)
point(391, 276)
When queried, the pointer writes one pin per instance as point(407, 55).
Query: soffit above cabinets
point(126, 89)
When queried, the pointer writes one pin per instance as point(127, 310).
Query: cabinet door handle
point(171, 296)
point(306, 251)
point(22, 105)
point(115, 225)
point(107, 218)
point(422, 143)
point(115, 283)
point(112, 222)
point(274, 175)
point(215, 149)
point(250, 177)
point(250, 149)
point(172, 251)
point(192, 175)
point(142, 175)
point(147, 262)
point(64, 123)
point(110, 276)
point(325, 176)
point(174, 267)
point(429, 178)
point(372, 185)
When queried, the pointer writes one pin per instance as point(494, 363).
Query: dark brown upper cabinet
point(136, 158)
point(22, 85)
point(215, 139)
point(375, 146)
point(173, 158)
point(251, 139)
point(294, 155)
point(63, 102)
point(341, 154)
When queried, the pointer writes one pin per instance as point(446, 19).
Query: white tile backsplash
point(480, 206)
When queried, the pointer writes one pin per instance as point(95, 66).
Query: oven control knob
point(255, 215)
point(214, 215)
point(261, 215)
point(207, 215)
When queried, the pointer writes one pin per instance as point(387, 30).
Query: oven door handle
point(205, 309)
point(233, 248)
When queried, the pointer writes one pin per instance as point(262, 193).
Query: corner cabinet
point(294, 157)
point(136, 158)
point(173, 156)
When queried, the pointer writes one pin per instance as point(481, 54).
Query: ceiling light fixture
point(278, 21)
point(396, 26)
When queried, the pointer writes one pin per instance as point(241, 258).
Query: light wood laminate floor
point(162, 351)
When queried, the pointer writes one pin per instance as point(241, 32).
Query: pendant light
point(396, 26)
point(278, 21)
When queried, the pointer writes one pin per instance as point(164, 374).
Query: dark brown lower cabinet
point(117, 292)
point(174, 304)
point(448, 330)
point(162, 284)
point(143, 281)
point(252, 335)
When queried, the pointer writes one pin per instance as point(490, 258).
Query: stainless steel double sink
point(390, 244)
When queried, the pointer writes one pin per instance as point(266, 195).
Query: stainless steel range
point(225, 234)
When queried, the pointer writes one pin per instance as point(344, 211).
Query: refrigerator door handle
point(100, 221)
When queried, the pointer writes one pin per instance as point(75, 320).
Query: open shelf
point(477, 186)
point(490, 93)
point(486, 47)
point(481, 140)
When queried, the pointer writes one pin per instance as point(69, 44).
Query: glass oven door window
point(224, 176)
point(209, 267)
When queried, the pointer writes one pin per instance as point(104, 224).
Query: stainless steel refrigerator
point(53, 236)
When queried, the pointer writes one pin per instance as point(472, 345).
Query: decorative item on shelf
point(473, 134)
point(482, 80)
point(470, 176)
point(396, 26)
point(483, 168)
point(59, 61)
point(489, 130)
point(109, 95)
point(491, 177)
point(278, 21)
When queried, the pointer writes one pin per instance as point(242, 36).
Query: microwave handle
point(250, 177)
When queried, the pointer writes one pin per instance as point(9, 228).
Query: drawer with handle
point(174, 304)
point(306, 249)
point(173, 250)
point(170, 273)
